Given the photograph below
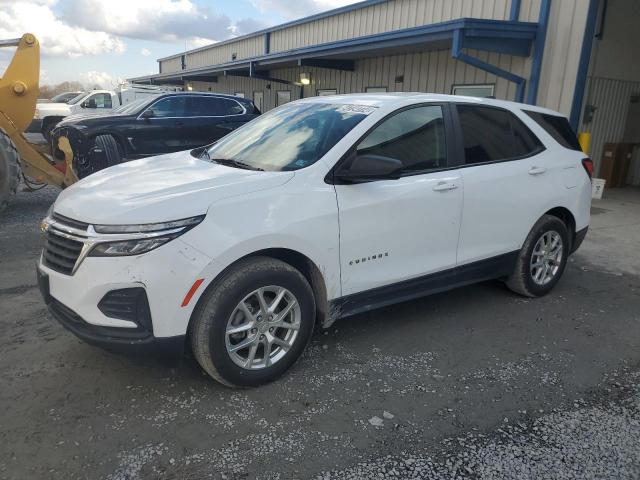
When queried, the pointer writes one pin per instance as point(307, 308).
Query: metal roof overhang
point(501, 36)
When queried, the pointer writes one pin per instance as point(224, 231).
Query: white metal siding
point(171, 65)
point(392, 15)
point(612, 99)
point(561, 56)
point(434, 71)
point(565, 33)
point(246, 48)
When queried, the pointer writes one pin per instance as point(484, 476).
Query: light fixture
point(305, 78)
point(189, 86)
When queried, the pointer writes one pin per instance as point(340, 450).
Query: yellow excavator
point(18, 96)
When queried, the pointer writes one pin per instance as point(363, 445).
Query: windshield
point(64, 97)
point(291, 137)
point(136, 105)
point(77, 98)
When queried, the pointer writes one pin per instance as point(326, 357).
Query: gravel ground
point(473, 383)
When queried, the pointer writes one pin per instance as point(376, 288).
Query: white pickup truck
point(48, 114)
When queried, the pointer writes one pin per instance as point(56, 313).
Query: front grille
point(70, 222)
point(60, 253)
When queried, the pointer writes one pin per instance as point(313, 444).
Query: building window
point(482, 91)
point(239, 94)
point(323, 92)
point(376, 90)
point(283, 96)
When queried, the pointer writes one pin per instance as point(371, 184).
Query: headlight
point(129, 247)
point(138, 239)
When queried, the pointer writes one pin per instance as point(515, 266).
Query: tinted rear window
point(558, 127)
point(491, 134)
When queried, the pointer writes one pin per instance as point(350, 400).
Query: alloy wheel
point(263, 327)
point(546, 258)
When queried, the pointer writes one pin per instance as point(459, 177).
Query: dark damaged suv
point(151, 126)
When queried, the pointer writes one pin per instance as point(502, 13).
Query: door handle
point(537, 170)
point(444, 187)
point(179, 124)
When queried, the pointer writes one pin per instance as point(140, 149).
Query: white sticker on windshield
point(364, 109)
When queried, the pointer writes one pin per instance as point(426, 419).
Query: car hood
point(84, 117)
point(158, 189)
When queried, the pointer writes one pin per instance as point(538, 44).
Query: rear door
point(210, 118)
point(396, 230)
point(508, 178)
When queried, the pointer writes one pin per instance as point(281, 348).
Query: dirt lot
point(472, 383)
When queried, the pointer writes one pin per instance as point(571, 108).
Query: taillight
point(588, 166)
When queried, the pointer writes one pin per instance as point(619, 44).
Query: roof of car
point(210, 94)
point(401, 98)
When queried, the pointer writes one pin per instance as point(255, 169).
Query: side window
point(558, 127)
point(492, 134)
point(103, 100)
point(169, 107)
point(415, 137)
point(203, 106)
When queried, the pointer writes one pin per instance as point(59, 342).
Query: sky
point(101, 42)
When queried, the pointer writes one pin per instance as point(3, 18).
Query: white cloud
point(56, 38)
point(93, 79)
point(299, 8)
point(145, 52)
point(163, 20)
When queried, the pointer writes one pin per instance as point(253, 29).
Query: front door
point(160, 128)
point(395, 230)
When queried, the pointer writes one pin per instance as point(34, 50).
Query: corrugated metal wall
point(434, 71)
point(171, 65)
point(246, 48)
point(394, 15)
point(565, 33)
point(564, 38)
point(612, 99)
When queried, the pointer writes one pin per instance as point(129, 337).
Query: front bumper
point(120, 340)
point(164, 275)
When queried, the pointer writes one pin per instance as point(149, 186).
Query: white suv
point(320, 209)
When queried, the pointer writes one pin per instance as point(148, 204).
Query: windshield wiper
point(234, 163)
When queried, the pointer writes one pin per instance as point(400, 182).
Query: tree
point(48, 91)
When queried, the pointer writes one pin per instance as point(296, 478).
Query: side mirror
point(369, 168)
point(147, 114)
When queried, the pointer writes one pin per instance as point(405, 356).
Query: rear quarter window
point(558, 127)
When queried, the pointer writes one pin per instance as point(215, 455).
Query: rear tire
point(9, 170)
point(542, 259)
point(231, 303)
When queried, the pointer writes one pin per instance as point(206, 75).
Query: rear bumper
point(579, 238)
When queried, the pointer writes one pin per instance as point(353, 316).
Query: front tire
point(9, 170)
point(542, 259)
point(253, 323)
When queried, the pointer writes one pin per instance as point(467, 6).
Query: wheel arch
point(567, 218)
point(297, 260)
